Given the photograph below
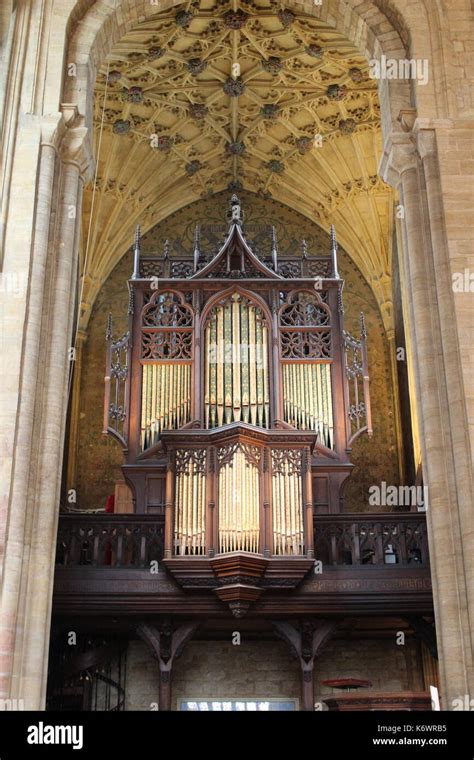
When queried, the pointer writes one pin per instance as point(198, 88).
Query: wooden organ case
point(236, 395)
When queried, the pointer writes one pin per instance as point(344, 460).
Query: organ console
point(236, 395)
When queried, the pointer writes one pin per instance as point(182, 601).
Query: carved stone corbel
point(75, 145)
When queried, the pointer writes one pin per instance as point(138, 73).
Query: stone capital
point(75, 146)
point(426, 142)
point(400, 155)
point(68, 135)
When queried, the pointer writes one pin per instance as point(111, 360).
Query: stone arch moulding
point(95, 26)
point(397, 29)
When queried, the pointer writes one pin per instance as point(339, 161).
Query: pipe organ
point(236, 355)
point(190, 512)
point(287, 500)
point(166, 359)
point(238, 386)
point(305, 349)
point(239, 503)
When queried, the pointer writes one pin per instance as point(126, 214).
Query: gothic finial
point(197, 247)
point(274, 249)
point(166, 249)
point(108, 329)
point(136, 254)
point(335, 273)
point(363, 330)
point(304, 248)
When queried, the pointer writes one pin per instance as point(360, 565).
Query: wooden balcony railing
point(371, 563)
point(344, 539)
point(395, 539)
point(132, 541)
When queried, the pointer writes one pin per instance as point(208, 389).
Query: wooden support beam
point(306, 641)
point(165, 643)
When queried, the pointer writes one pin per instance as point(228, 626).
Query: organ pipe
point(287, 510)
point(165, 399)
point(237, 376)
point(190, 510)
point(308, 398)
point(239, 506)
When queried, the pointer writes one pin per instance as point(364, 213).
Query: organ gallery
point(236, 395)
point(236, 301)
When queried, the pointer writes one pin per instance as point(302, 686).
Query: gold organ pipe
point(266, 379)
point(287, 509)
point(301, 515)
point(244, 325)
point(250, 509)
point(195, 510)
point(176, 369)
point(208, 351)
point(212, 369)
point(184, 516)
point(297, 513)
point(306, 399)
point(170, 396)
point(189, 510)
point(200, 534)
point(222, 510)
point(177, 515)
point(227, 364)
point(295, 394)
point(274, 505)
point(258, 337)
point(225, 501)
point(236, 366)
point(204, 515)
point(229, 481)
point(220, 504)
point(279, 513)
point(291, 488)
point(236, 494)
point(199, 514)
point(255, 506)
point(252, 368)
point(283, 512)
point(220, 367)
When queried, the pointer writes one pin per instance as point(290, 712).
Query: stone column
point(33, 509)
point(74, 411)
point(392, 352)
point(431, 335)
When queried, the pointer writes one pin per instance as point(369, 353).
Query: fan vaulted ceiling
point(215, 94)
